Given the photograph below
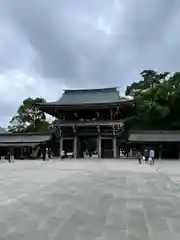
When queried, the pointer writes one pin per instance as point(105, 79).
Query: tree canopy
point(29, 118)
point(157, 98)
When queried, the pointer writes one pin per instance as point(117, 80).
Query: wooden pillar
point(75, 146)
point(114, 147)
point(99, 147)
point(21, 152)
point(160, 153)
point(61, 144)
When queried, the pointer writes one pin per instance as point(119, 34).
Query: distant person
point(44, 155)
point(12, 158)
point(152, 155)
point(62, 154)
point(1, 157)
point(139, 156)
point(146, 155)
point(9, 157)
point(47, 154)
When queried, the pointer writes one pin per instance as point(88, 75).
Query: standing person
point(44, 155)
point(152, 155)
point(9, 156)
point(139, 156)
point(47, 153)
point(62, 154)
point(146, 155)
point(2, 159)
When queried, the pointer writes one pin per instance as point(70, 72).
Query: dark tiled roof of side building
point(23, 139)
point(154, 136)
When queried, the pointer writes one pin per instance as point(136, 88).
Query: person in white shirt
point(47, 154)
point(152, 155)
point(62, 154)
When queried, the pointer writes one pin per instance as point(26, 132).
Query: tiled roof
point(23, 139)
point(155, 136)
point(89, 96)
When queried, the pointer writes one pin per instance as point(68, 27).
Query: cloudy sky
point(46, 46)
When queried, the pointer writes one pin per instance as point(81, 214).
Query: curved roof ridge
point(90, 89)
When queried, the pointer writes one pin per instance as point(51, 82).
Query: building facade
point(23, 145)
point(89, 120)
point(166, 143)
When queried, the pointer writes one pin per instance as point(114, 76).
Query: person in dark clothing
point(49, 153)
point(139, 156)
point(9, 157)
point(44, 155)
point(146, 155)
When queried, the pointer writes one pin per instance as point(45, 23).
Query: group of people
point(148, 156)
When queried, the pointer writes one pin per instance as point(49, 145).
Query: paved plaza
point(86, 200)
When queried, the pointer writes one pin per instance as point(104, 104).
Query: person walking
point(44, 154)
point(9, 156)
point(146, 155)
point(47, 154)
point(152, 155)
point(139, 156)
point(62, 154)
point(2, 159)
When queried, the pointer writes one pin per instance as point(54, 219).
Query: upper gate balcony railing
point(89, 122)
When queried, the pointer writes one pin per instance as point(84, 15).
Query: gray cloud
point(82, 41)
point(86, 43)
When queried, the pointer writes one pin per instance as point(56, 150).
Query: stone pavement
point(170, 169)
point(86, 200)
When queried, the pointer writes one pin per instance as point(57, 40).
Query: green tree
point(149, 79)
point(153, 99)
point(174, 100)
point(29, 118)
